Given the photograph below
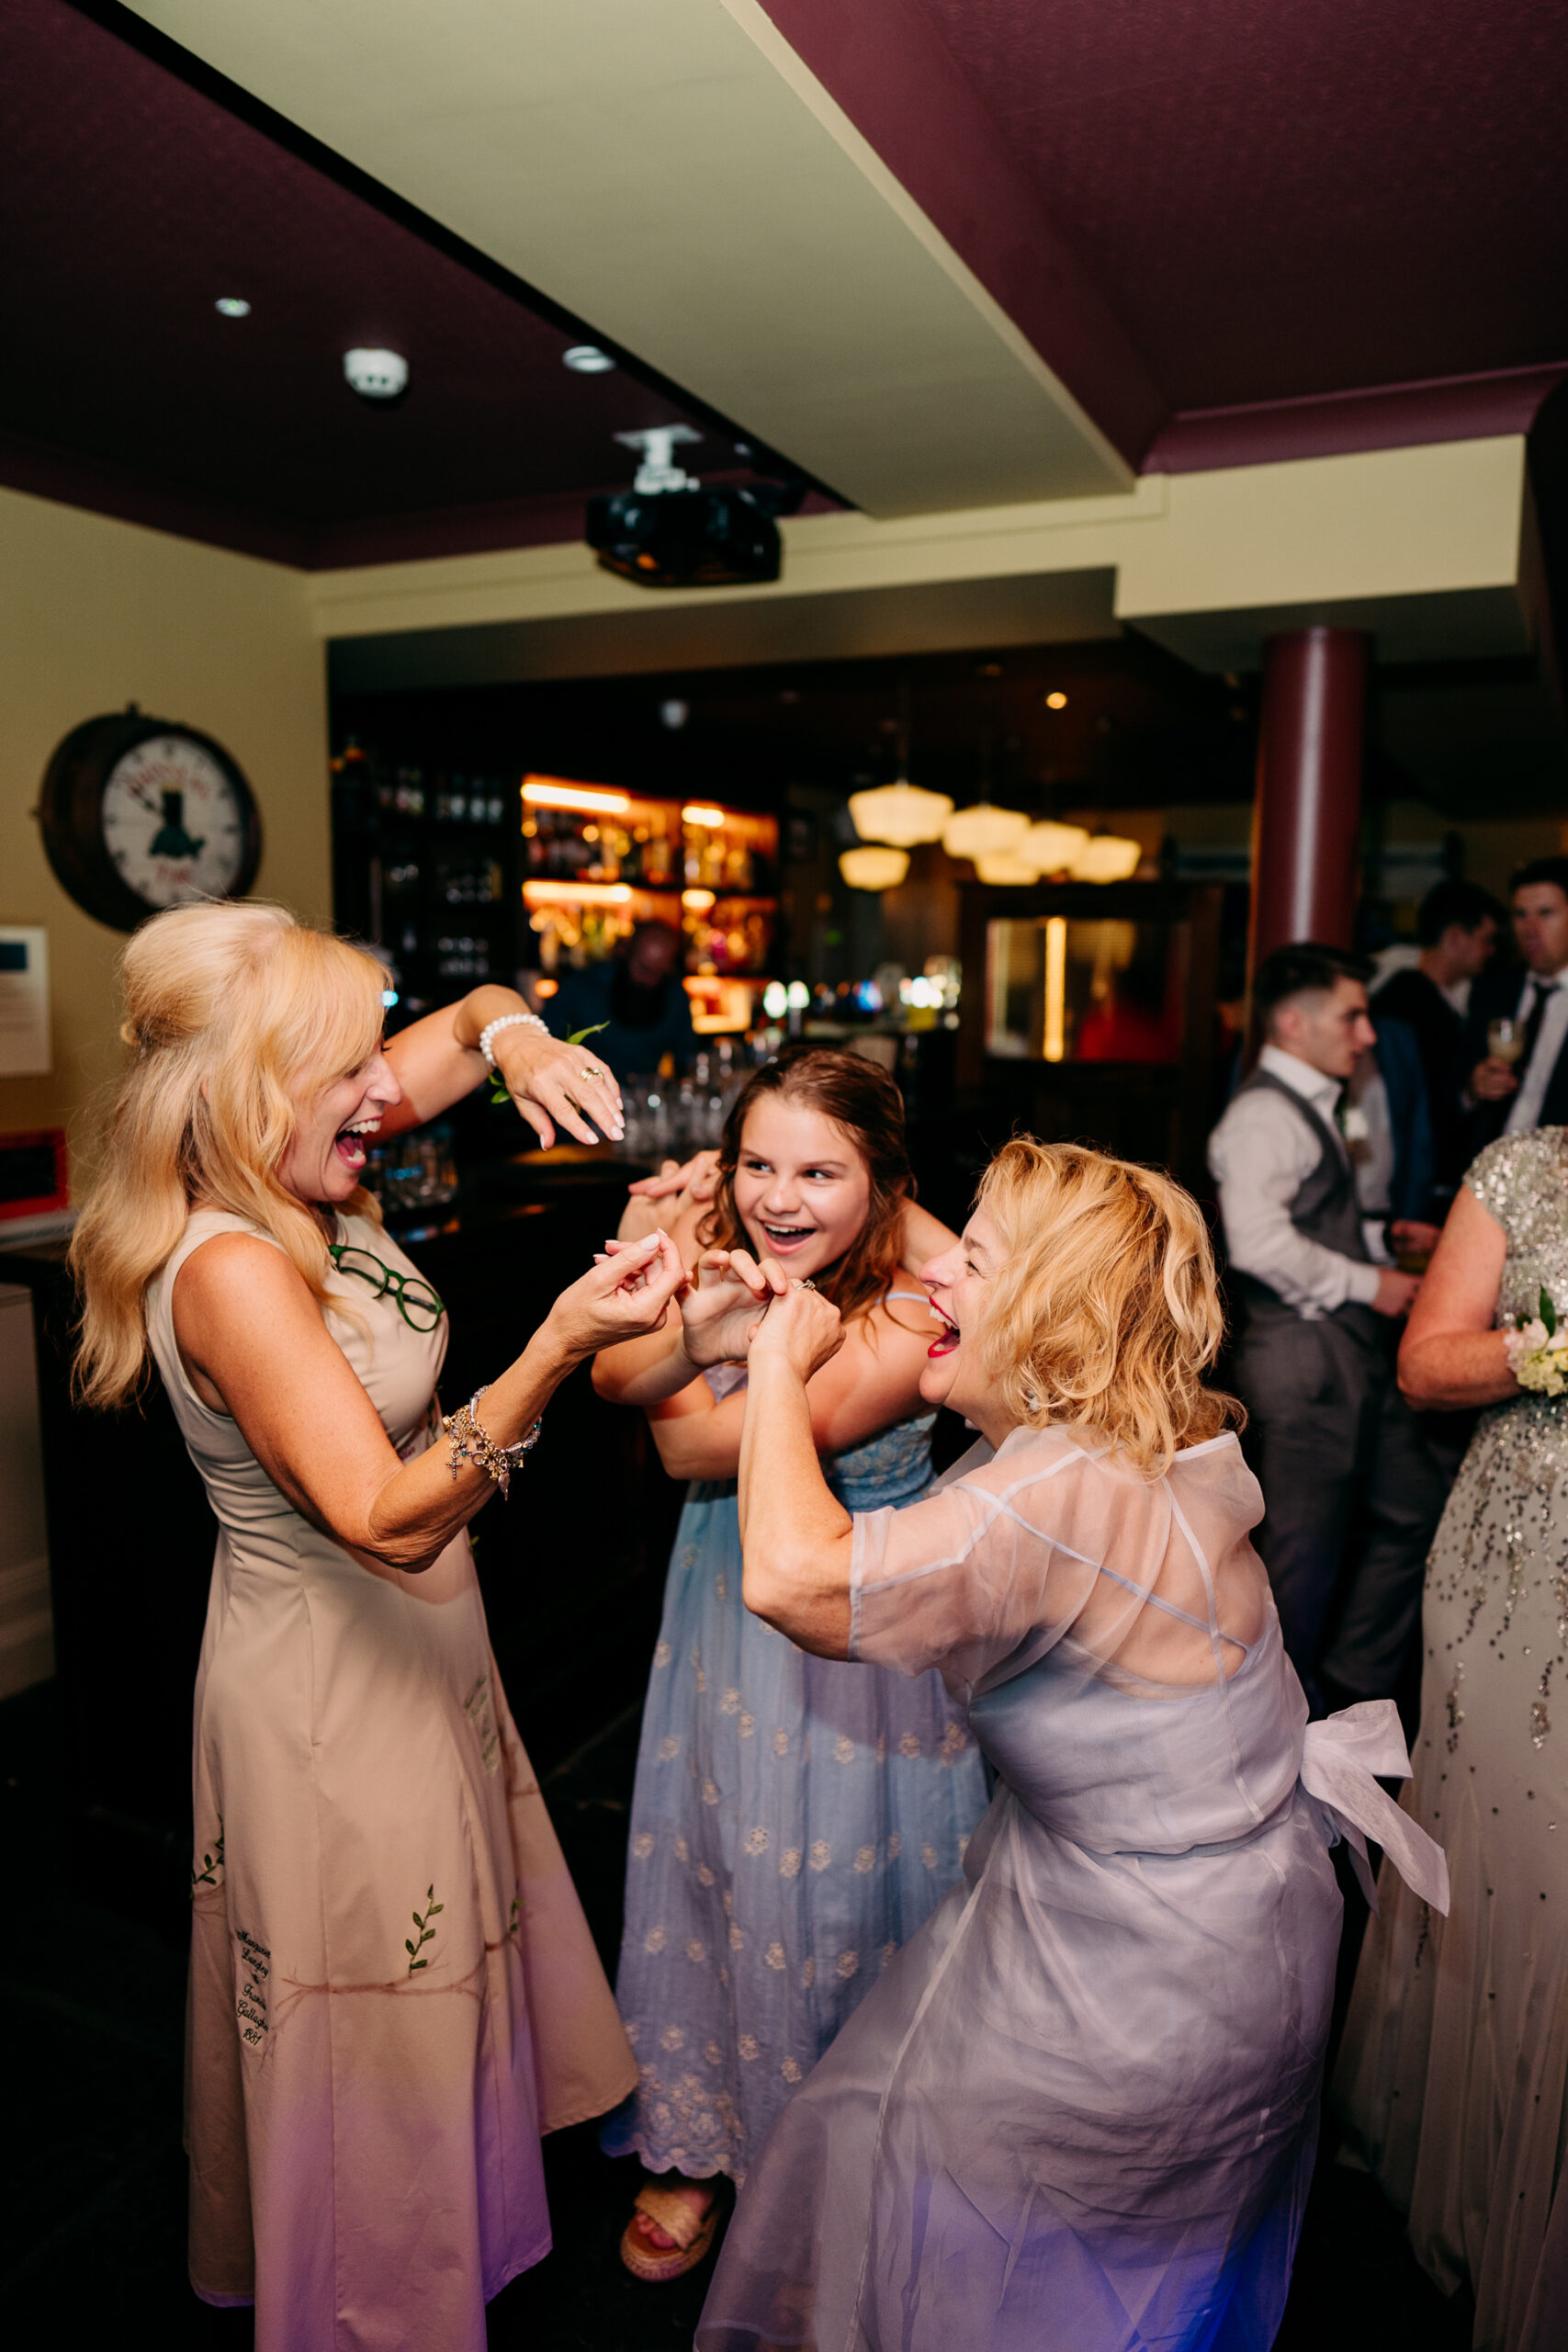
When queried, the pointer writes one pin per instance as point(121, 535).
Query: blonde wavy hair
point(233, 1014)
point(1104, 1310)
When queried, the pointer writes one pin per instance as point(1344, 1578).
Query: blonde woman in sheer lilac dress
point(1078, 2113)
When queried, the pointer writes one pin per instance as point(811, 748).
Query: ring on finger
point(803, 1281)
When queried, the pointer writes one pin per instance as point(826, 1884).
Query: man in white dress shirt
point(1506, 1098)
point(1352, 1494)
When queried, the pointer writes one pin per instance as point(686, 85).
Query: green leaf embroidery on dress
point(426, 1932)
point(499, 1090)
point(210, 1865)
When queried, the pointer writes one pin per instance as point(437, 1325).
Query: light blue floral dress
point(795, 1821)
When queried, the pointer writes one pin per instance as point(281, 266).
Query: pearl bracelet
point(507, 1021)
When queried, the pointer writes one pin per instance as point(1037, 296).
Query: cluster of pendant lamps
point(1005, 845)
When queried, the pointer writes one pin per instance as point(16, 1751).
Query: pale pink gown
point(393, 1990)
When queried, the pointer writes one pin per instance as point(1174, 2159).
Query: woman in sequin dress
point(1453, 2080)
point(795, 1821)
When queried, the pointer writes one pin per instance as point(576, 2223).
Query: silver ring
point(802, 1282)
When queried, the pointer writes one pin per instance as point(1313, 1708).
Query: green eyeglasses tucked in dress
point(414, 1300)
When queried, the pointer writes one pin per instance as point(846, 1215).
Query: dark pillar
point(1307, 814)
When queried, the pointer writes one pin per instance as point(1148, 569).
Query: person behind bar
point(1078, 2112)
point(793, 1821)
point(633, 1003)
point(393, 1991)
point(1351, 1492)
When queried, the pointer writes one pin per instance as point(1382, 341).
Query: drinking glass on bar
point(1505, 1040)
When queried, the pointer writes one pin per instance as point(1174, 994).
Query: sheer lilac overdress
point(1078, 2113)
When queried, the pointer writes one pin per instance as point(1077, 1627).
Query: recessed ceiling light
point(587, 359)
point(233, 306)
point(1058, 701)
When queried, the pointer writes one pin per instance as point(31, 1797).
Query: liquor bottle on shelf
point(658, 856)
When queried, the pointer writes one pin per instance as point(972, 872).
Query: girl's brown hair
point(868, 1109)
point(1104, 1310)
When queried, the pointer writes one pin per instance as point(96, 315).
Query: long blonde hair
point(232, 1012)
point(1104, 1311)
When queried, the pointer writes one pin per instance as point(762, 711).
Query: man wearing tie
point(1351, 1493)
point(1532, 1092)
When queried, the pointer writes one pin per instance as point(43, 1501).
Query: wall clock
point(137, 814)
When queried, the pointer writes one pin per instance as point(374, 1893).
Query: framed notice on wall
point(24, 1002)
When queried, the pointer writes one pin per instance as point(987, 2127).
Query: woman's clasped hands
point(801, 1329)
point(727, 1302)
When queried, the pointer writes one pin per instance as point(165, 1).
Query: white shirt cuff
point(1363, 1284)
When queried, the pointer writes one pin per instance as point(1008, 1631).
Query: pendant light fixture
point(1107, 858)
point(1051, 847)
point(1005, 867)
point(903, 813)
point(872, 867)
point(983, 831)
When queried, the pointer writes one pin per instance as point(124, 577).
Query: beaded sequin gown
point(1453, 2078)
point(794, 1822)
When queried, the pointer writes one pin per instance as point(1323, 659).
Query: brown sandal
point(669, 2211)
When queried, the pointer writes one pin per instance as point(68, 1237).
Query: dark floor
point(92, 2234)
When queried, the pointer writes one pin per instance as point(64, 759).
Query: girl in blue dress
point(794, 1820)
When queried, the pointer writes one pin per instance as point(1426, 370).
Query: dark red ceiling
point(1190, 207)
point(132, 200)
point(1280, 198)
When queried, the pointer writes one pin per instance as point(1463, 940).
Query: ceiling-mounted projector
point(667, 531)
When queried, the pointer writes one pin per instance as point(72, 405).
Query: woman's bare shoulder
point(231, 1266)
point(903, 1308)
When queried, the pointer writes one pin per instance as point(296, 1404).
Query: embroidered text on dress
point(250, 2002)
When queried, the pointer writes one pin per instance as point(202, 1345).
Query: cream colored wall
point(94, 613)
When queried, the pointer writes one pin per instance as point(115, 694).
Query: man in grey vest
point(1351, 1495)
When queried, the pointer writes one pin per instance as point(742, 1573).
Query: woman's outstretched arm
point(796, 1539)
point(256, 1346)
point(1450, 1357)
point(437, 1061)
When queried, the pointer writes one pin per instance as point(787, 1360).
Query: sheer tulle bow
point(1340, 1761)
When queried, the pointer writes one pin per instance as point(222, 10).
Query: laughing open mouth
point(947, 1339)
point(785, 1237)
point(350, 1142)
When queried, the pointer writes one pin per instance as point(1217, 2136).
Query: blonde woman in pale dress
point(393, 1990)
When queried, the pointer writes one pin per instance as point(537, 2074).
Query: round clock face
point(137, 814)
point(173, 824)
